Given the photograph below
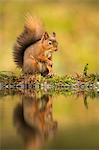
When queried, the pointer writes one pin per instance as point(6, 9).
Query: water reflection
point(86, 94)
point(33, 119)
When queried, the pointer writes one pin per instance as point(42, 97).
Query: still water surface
point(40, 120)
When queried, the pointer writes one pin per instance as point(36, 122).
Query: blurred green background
point(76, 24)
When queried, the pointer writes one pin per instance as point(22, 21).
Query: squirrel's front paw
point(50, 63)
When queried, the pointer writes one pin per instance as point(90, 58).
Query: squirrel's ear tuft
point(54, 34)
point(45, 36)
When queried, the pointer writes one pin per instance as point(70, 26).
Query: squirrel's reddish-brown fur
point(34, 47)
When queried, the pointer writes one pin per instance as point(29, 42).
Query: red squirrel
point(34, 47)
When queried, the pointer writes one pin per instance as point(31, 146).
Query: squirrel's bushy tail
point(33, 30)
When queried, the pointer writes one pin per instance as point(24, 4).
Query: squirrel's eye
point(49, 42)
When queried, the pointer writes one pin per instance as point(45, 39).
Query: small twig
point(85, 71)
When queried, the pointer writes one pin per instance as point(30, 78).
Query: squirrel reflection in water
point(33, 119)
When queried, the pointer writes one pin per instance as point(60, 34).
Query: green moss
point(53, 82)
